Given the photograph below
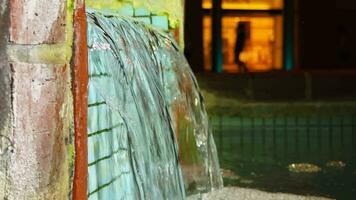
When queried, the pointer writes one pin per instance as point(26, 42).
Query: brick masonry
point(37, 21)
point(37, 167)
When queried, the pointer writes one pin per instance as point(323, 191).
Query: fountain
point(143, 98)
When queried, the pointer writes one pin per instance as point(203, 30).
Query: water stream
point(149, 136)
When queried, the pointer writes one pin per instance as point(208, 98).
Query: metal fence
point(284, 138)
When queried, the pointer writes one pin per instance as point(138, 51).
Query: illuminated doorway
point(252, 35)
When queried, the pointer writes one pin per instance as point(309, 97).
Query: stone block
point(41, 110)
point(37, 21)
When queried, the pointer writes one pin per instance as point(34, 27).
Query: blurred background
point(279, 82)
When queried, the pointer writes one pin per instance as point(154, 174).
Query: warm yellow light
point(263, 49)
point(249, 5)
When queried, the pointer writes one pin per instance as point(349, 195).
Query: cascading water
point(143, 98)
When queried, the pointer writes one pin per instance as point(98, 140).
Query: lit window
point(247, 4)
point(251, 41)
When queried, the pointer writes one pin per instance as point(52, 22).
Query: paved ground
point(235, 193)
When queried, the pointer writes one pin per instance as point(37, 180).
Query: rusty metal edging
point(80, 96)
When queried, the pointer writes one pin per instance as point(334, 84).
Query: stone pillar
point(6, 144)
point(37, 63)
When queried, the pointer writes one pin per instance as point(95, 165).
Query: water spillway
point(149, 136)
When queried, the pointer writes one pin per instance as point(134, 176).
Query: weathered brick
point(41, 107)
point(37, 21)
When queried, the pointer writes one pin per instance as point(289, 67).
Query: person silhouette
point(241, 33)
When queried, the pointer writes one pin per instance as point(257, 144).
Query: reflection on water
point(262, 153)
point(303, 168)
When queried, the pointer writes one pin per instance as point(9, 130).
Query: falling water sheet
point(143, 98)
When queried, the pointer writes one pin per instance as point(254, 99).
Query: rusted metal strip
point(80, 95)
